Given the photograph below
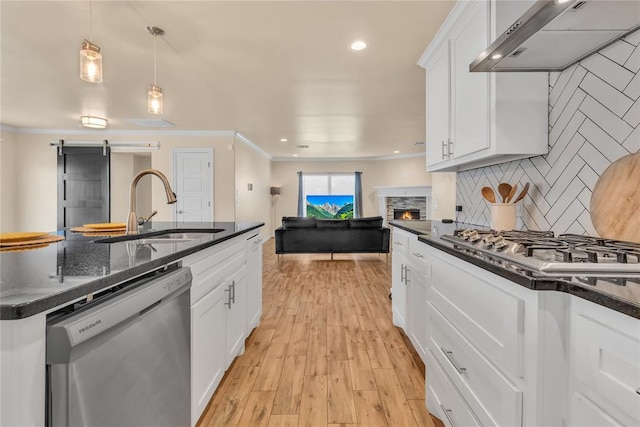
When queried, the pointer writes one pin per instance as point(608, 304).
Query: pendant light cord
point(90, 21)
point(155, 58)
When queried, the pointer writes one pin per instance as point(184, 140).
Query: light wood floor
point(326, 352)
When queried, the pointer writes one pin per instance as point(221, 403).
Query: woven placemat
point(38, 241)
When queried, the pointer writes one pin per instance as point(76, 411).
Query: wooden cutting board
point(615, 201)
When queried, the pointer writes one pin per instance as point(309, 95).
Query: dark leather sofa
point(310, 235)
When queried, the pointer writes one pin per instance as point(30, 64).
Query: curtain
point(300, 194)
point(357, 212)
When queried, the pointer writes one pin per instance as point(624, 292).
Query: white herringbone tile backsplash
point(594, 117)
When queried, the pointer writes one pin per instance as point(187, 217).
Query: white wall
point(399, 172)
point(29, 173)
point(253, 205)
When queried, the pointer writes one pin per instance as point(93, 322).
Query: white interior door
point(193, 172)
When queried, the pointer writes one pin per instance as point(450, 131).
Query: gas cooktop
point(552, 255)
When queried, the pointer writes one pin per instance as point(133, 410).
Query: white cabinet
point(236, 315)
point(605, 367)
point(207, 355)
point(399, 266)
point(478, 119)
point(218, 316)
point(254, 281)
point(409, 273)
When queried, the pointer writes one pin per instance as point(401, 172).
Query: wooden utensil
point(615, 201)
point(511, 193)
point(488, 194)
point(504, 189)
point(522, 193)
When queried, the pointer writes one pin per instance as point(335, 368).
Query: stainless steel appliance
point(550, 255)
point(123, 359)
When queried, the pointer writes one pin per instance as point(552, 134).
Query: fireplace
point(406, 214)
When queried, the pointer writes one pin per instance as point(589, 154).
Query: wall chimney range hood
point(555, 34)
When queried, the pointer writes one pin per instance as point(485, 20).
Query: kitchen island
point(38, 282)
point(505, 345)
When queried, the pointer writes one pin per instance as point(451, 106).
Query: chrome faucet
point(132, 222)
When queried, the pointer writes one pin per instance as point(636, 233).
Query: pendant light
point(154, 97)
point(90, 57)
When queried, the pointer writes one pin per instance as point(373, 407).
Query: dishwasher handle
point(73, 330)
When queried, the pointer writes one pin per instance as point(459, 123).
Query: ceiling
point(266, 69)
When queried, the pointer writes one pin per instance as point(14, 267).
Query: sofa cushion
point(332, 223)
point(368, 222)
point(289, 222)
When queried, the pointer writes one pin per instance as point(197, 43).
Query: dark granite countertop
point(36, 280)
point(617, 293)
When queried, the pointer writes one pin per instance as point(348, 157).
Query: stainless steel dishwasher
point(123, 359)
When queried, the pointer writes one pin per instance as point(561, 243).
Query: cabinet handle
point(417, 255)
point(228, 303)
point(449, 355)
point(397, 243)
point(401, 273)
point(449, 148)
point(233, 291)
point(444, 156)
point(638, 390)
point(406, 275)
point(446, 414)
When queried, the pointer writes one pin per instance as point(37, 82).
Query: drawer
point(585, 413)
point(606, 359)
point(400, 242)
point(443, 400)
point(210, 268)
point(493, 398)
point(485, 308)
point(418, 253)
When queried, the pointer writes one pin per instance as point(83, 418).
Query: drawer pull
point(397, 243)
point(417, 255)
point(446, 414)
point(638, 390)
point(449, 355)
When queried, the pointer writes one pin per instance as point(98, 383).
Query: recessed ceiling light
point(358, 45)
point(396, 151)
point(283, 139)
point(295, 155)
point(496, 56)
point(93, 122)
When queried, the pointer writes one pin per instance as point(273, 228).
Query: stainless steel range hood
point(553, 35)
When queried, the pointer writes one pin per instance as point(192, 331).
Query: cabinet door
point(207, 352)
point(470, 91)
point(438, 107)
point(398, 290)
point(417, 311)
point(254, 282)
point(236, 321)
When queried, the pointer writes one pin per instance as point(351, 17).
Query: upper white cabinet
point(478, 119)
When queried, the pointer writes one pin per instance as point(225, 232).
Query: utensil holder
point(503, 216)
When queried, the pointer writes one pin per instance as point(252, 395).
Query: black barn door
point(83, 186)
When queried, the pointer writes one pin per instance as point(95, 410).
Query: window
point(329, 195)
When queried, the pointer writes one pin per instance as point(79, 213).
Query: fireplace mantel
point(383, 193)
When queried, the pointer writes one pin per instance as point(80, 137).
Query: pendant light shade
point(90, 62)
point(154, 96)
point(154, 99)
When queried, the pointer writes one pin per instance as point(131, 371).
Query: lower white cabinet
point(219, 319)
point(417, 311)
point(236, 314)
point(208, 357)
point(254, 281)
point(605, 367)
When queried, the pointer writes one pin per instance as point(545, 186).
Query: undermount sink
point(168, 236)
point(172, 237)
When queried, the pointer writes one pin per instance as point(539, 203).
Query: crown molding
point(153, 132)
point(251, 144)
point(347, 159)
